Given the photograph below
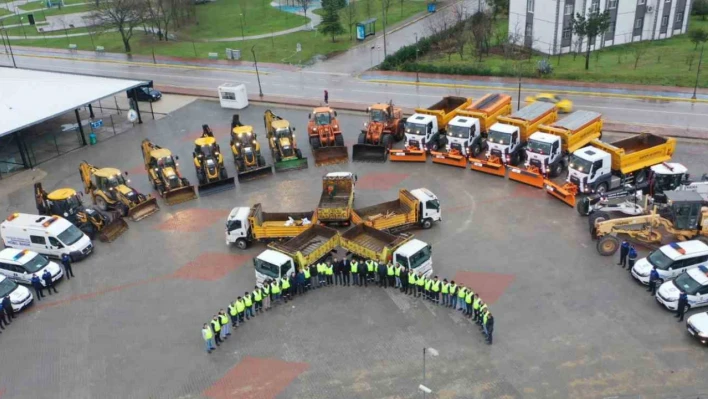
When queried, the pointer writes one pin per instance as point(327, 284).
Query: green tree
point(499, 7)
point(589, 27)
point(700, 8)
point(330, 24)
point(698, 36)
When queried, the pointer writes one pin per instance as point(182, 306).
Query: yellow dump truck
point(284, 259)
point(548, 150)
point(603, 166)
point(415, 208)
point(337, 198)
point(246, 225)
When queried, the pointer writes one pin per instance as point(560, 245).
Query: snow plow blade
point(179, 195)
point(491, 167)
point(369, 153)
point(526, 176)
point(446, 158)
point(255, 173)
point(113, 230)
point(217, 186)
point(565, 193)
point(291, 164)
point(331, 155)
point(143, 210)
point(406, 155)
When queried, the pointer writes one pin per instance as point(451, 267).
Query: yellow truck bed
point(371, 243)
point(487, 109)
point(337, 206)
point(271, 225)
point(576, 130)
point(445, 109)
point(389, 214)
point(310, 245)
point(529, 118)
point(638, 152)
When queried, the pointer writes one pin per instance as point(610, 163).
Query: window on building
point(611, 29)
point(595, 6)
point(566, 33)
point(664, 20)
point(612, 4)
point(529, 6)
point(569, 9)
point(639, 23)
point(641, 2)
point(529, 29)
point(679, 17)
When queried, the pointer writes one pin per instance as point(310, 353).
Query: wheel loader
point(325, 136)
point(66, 202)
point(385, 125)
point(164, 176)
point(250, 164)
point(110, 190)
point(281, 140)
point(209, 163)
point(683, 217)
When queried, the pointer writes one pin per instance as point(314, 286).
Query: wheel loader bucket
point(445, 158)
point(113, 230)
point(291, 164)
point(492, 167)
point(216, 186)
point(406, 155)
point(565, 193)
point(255, 173)
point(144, 209)
point(331, 155)
point(179, 195)
point(525, 176)
point(369, 153)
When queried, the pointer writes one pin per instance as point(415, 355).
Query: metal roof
point(577, 120)
point(533, 111)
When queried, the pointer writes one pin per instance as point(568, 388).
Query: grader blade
point(527, 176)
point(447, 158)
point(330, 155)
point(406, 155)
point(492, 166)
point(565, 193)
point(113, 230)
point(291, 164)
point(179, 195)
point(217, 186)
point(369, 153)
point(255, 173)
point(144, 209)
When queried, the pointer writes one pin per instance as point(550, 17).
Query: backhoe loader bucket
point(406, 155)
point(330, 155)
point(369, 153)
point(530, 176)
point(144, 209)
point(448, 158)
point(565, 193)
point(216, 186)
point(255, 173)
point(113, 229)
point(178, 195)
point(291, 164)
point(493, 166)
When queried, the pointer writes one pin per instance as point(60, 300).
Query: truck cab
point(416, 256)
point(421, 130)
point(272, 265)
point(504, 142)
point(238, 229)
point(464, 135)
point(429, 204)
point(545, 152)
point(590, 169)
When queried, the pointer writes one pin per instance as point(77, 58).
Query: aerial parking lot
point(569, 322)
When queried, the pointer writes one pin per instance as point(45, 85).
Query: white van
point(694, 283)
point(671, 260)
point(20, 297)
point(48, 235)
point(21, 264)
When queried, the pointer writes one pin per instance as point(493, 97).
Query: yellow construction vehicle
point(250, 164)
point(281, 140)
point(209, 163)
point(164, 175)
point(110, 190)
point(66, 202)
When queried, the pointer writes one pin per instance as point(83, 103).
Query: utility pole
point(260, 90)
point(698, 71)
point(9, 45)
point(383, 8)
point(417, 79)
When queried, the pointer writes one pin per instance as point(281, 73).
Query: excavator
point(209, 163)
point(110, 190)
point(164, 175)
point(325, 136)
point(250, 164)
point(281, 140)
point(66, 202)
point(385, 125)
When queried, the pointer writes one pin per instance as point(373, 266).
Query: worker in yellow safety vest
point(469, 302)
point(391, 275)
point(370, 271)
point(266, 295)
point(435, 289)
point(285, 288)
point(412, 283)
point(355, 271)
point(476, 303)
point(397, 275)
point(428, 292)
point(420, 281)
point(461, 294)
point(216, 328)
point(330, 273)
point(453, 295)
point(308, 275)
point(258, 299)
point(275, 290)
point(208, 337)
point(248, 302)
point(321, 274)
point(482, 309)
point(445, 291)
point(233, 314)
point(225, 327)
point(240, 309)
point(488, 323)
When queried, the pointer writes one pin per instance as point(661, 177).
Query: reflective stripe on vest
point(207, 333)
point(257, 295)
point(446, 288)
point(232, 310)
point(390, 271)
point(216, 325)
point(240, 306)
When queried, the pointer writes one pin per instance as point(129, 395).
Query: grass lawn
point(35, 5)
point(70, 2)
point(661, 62)
point(366, 9)
point(32, 31)
point(4, 11)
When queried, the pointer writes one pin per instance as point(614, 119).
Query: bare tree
point(481, 26)
point(123, 15)
point(160, 16)
point(637, 53)
point(304, 4)
point(350, 15)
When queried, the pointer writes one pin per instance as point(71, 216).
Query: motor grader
point(250, 164)
point(209, 163)
point(325, 136)
point(385, 125)
point(110, 190)
point(164, 176)
point(282, 143)
point(683, 217)
point(66, 202)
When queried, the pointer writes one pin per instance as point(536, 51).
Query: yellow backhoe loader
point(163, 174)
point(110, 190)
point(247, 152)
point(209, 163)
point(281, 140)
point(66, 202)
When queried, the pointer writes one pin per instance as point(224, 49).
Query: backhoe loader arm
point(86, 170)
point(235, 121)
point(40, 197)
point(206, 131)
point(147, 147)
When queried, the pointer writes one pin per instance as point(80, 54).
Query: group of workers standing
point(347, 272)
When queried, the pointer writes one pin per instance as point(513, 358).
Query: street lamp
point(698, 71)
point(9, 45)
point(253, 50)
point(242, 37)
point(23, 27)
point(417, 80)
point(433, 352)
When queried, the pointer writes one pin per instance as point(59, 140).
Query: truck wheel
point(339, 140)
point(277, 157)
point(201, 177)
point(597, 216)
point(261, 160)
point(601, 188)
point(386, 141)
point(583, 206)
point(640, 177)
point(427, 223)
point(557, 169)
point(298, 153)
point(362, 138)
point(315, 142)
point(241, 244)
point(607, 245)
point(222, 174)
point(476, 150)
point(516, 158)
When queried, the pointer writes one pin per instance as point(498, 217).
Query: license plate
point(440, 157)
point(516, 171)
point(400, 154)
point(549, 188)
point(478, 164)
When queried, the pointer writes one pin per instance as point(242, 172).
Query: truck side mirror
point(177, 157)
point(294, 129)
point(126, 173)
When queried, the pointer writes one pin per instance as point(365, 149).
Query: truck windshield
point(269, 269)
point(420, 257)
point(687, 284)
point(498, 137)
point(205, 150)
point(377, 115)
point(417, 129)
point(668, 182)
point(7, 286)
point(433, 204)
point(458, 131)
point(35, 264)
point(323, 118)
point(579, 164)
point(539, 147)
point(70, 235)
point(115, 181)
point(166, 162)
point(282, 133)
point(659, 259)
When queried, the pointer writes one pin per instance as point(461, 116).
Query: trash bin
point(236, 55)
point(431, 7)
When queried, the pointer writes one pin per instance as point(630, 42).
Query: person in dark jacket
point(300, 283)
point(624, 250)
point(404, 279)
point(3, 321)
point(632, 256)
point(489, 328)
point(383, 281)
point(68, 271)
point(314, 276)
point(48, 283)
point(7, 307)
point(345, 271)
point(337, 272)
point(653, 277)
point(682, 303)
point(37, 285)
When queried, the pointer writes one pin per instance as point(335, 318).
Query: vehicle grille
point(414, 143)
point(87, 250)
point(496, 153)
point(575, 180)
point(536, 163)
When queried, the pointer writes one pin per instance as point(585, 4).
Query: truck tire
point(222, 173)
point(241, 244)
point(601, 188)
point(362, 138)
point(315, 142)
point(557, 169)
point(298, 153)
point(400, 131)
point(277, 156)
point(386, 141)
point(261, 160)
point(640, 177)
point(339, 140)
point(516, 158)
point(475, 150)
point(583, 206)
point(597, 216)
point(427, 223)
point(607, 245)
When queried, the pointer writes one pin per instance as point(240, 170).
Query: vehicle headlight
point(702, 334)
point(447, 147)
point(254, 141)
